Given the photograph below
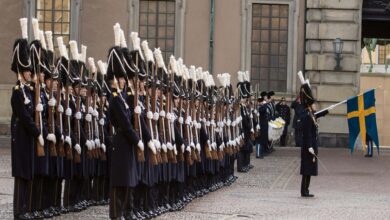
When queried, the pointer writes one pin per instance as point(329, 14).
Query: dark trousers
point(305, 185)
point(22, 196)
point(38, 194)
point(283, 138)
point(118, 201)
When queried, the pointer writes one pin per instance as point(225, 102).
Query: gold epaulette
point(114, 94)
point(129, 93)
point(16, 87)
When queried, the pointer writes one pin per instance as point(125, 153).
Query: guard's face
point(121, 82)
point(83, 92)
point(176, 101)
point(27, 76)
point(70, 90)
point(314, 107)
point(48, 83)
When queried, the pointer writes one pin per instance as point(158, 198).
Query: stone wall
point(382, 96)
point(327, 20)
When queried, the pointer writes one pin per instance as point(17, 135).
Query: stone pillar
point(325, 21)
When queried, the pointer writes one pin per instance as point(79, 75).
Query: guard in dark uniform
point(24, 132)
point(284, 112)
point(309, 150)
point(124, 172)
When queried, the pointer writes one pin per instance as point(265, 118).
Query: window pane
point(65, 28)
point(66, 5)
point(162, 7)
point(152, 18)
point(170, 7)
point(171, 20)
point(66, 16)
point(57, 28)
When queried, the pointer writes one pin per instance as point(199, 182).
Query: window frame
point(180, 10)
point(246, 35)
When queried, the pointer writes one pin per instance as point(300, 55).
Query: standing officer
point(309, 150)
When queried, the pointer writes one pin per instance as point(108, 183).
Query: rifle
point(153, 158)
point(179, 112)
point(204, 116)
point(140, 153)
point(38, 116)
point(77, 158)
point(169, 94)
point(59, 123)
point(68, 148)
point(161, 123)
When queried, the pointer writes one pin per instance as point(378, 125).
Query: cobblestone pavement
point(348, 187)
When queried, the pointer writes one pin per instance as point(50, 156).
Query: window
point(54, 15)
point(269, 46)
point(157, 25)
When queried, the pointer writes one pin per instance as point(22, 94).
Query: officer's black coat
point(123, 157)
point(23, 133)
point(246, 126)
point(180, 175)
point(310, 139)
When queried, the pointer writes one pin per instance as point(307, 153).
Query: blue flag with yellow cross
point(362, 119)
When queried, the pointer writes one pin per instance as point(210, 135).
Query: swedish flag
point(362, 119)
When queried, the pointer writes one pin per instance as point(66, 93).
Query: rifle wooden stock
point(60, 143)
point(51, 112)
point(140, 153)
point(40, 148)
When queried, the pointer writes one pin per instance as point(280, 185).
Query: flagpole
point(342, 102)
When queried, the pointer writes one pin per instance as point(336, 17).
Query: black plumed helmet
point(115, 64)
point(21, 56)
point(306, 95)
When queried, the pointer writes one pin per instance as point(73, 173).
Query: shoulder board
point(16, 87)
point(129, 93)
point(114, 94)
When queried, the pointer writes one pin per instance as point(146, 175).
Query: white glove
point(68, 140)
point(169, 116)
point(182, 147)
point(51, 137)
point(253, 131)
point(101, 121)
point(137, 110)
point(78, 115)
point(164, 147)
point(95, 113)
point(140, 145)
point(192, 145)
point(92, 144)
point(257, 127)
point(88, 117)
point(60, 109)
point(181, 120)
point(68, 112)
point(151, 146)
point(162, 114)
point(157, 144)
point(188, 149)
point(90, 110)
point(52, 102)
point(97, 142)
point(149, 115)
point(88, 144)
point(156, 116)
point(228, 123)
point(103, 146)
point(214, 145)
point(41, 141)
point(311, 150)
point(39, 107)
point(175, 149)
point(169, 146)
point(62, 137)
point(198, 147)
point(77, 148)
